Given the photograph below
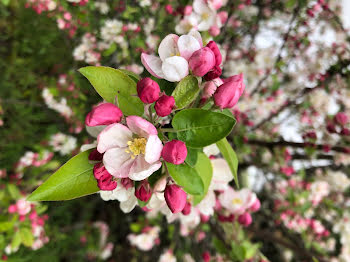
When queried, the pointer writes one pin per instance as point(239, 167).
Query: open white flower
point(132, 151)
point(174, 52)
point(237, 202)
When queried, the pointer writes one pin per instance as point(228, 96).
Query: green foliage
point(186, 91)
point(230, 156)
point(111, 83)
point(205, 171)
point(186, 177)
point(74, 179)
point(200, 128)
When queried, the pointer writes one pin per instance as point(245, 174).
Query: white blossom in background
point(59, 106)
point(64, 144)
point(146, 240)
point(167, 256)
point(102, 7)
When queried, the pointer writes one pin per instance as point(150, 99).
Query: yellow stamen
point(136, 147)
point(205, 16)
point(236, 201)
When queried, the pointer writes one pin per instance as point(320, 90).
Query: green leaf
point(16, 240)
point(186, 177)
point(6, 226)
point(230, 156)
point(109, 83)
point(192, 156)
point(199, 128)
point(205, 170)
point(130, 74)
point(110, 50)
point(186, 91)
point(13, 191)
point(26, 236)
point(74, 179)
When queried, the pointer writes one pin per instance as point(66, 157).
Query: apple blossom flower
point(130, 151)
point(174, 152)
point(146, 240)
point(237, 202)
point(174, 52)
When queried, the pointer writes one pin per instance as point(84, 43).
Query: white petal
point(196, 35)
point(121, 194)
point(128, 205)
point(200, 6)
point(106, 195)
point(187, 46)
point(221, 174)
point(153, 149)
point(175, 68)
point(140, 169)
point(88, 146)
point(208, 22)
point(117, 162)
point(115, 135)
point(168, 47)
point(206, 206)
point(153, 65)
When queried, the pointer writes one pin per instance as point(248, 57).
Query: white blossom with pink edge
point(146, 240)
point(174, 53)
point(237, 202)
point(167, 256)
point(130, 151)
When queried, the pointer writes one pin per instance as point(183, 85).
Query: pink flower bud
point(95, 155)
point(245, 219)
point(188, 10)
point(223, 15)
point(106, 182)
point(214, 47)
point(143, 191)
point(169, 9)
point(256, 206)
point(214, 30)
point(206, 256)
point(164, 105)
point(209, 89)
point(174, 152)
point(148, 90)
point(175, 198)
point(126, 183)
point(202, 61)
point(12, 209)
point(341, 118)
point(204, 218)
point(187, 209)
point(104, 178)
point(213, 74)
point(227, 95)
point(104, 114)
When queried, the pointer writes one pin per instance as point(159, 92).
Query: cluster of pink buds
point(338, 125)
point(40, 6)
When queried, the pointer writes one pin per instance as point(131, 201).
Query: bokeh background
point(291, 137)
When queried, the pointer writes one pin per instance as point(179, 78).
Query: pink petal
point(153, 65)
point(168, 47)
point(140, 126)
point(153, 149)
point(140, 169)
point(115, 135)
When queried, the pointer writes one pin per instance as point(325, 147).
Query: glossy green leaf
point(230, 156)
point(186, 91)
point(199, 128)
point(16, 240)
point(111, 83)
point(74, 179)
point(192, 156)
point(205, 170)
point(130, 74)
point(186, 177)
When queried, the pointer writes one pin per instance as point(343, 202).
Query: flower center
point(136, 147)
point(236, 201)
point(205, 16)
